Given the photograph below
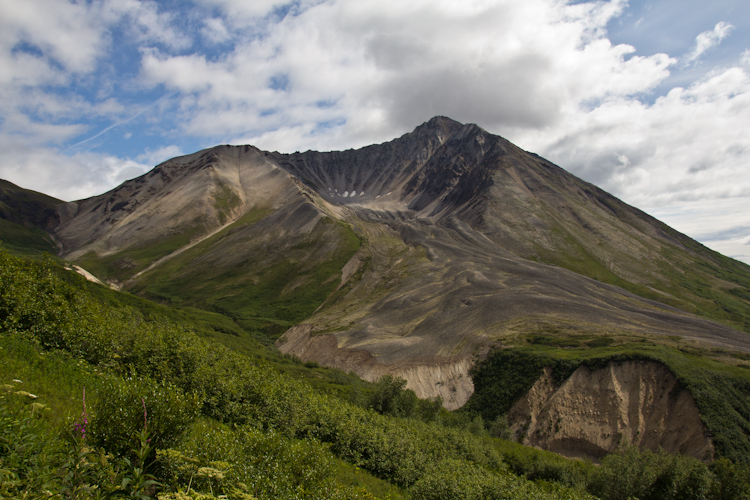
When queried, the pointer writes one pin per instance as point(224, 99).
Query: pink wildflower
point(81, 427)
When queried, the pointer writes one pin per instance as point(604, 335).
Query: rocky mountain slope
point(414, 257)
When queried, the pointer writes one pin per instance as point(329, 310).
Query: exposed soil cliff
point(593, 412)
point(427, 377)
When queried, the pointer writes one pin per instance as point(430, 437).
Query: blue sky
point(650, 100)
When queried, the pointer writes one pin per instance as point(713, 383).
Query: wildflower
point(38, 406)
point(81, 427)
point(145, 414)
point(27, 394)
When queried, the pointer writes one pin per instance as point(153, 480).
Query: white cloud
point(215, 31)
point(242, 12)
point(155, 157)
point(64, 177)
point(40, 34)
point(392, 65)
point(145, 23)
point(690, 144)
point(722, 225)
point(708, 40)
point(44, 46)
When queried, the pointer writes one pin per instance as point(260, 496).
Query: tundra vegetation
point(106, 395)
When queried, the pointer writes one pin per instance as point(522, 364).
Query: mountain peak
point(440, 126)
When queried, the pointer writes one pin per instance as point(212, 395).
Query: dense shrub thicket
point(173, 415)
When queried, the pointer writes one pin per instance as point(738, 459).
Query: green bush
point(543, 465)
point(390, 397)
point(457, 479)
point(125, 407)
point(461, 480)
point(732, 480)
point(651, 476)
point(213, 458)
point(25, 454)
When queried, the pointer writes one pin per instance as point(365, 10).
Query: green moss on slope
point(24, 240)
point(264, 290)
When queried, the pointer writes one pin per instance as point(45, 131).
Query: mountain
point(414, 257)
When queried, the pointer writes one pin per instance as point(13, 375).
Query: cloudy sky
point(649, 99)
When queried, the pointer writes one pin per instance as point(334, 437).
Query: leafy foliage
point(455, 479)
point(126, 407)
point(658, 476)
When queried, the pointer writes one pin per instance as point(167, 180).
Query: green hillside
point(24, 215)
point(104, 394)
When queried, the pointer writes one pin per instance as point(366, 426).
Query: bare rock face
point(594, 412)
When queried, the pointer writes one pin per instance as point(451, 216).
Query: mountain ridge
point(454, 241)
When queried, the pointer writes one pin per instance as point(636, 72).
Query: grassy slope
point(59, 337)
point(678, 271)
point(263, 290)
point(239, 283)
point(23, 214)
point(22, 240)
point(124, 264)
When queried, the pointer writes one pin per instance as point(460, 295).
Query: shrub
point(631, 473)
point(125, 407)
point(25, 454)
point(461, 480)
point(390, 397)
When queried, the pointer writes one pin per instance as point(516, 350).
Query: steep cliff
point(595, 411)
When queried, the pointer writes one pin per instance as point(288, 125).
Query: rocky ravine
point(594, 412)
